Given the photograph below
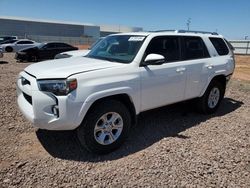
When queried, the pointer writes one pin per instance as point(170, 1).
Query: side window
point(194, 48)
point(25, 42)
point(219, 45)
point(168, 46)
point(62, 45)
point(50, 46)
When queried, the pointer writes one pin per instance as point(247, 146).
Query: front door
point(163, 84)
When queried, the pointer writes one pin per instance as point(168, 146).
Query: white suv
point(101, 94)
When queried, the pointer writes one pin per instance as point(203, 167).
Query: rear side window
point(194, 48)
point(220, 45)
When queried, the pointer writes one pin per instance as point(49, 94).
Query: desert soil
point(172, 146)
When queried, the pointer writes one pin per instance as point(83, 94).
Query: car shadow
point(152, 126)
point(4, 62)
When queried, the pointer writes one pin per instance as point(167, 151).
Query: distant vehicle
point(43, 51)
point(9, 41)
point(77, 53)
point(18, 45)
point(6, 38)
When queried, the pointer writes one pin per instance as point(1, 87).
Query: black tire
point(9, 49)
point(203, 102)
point(86, 131)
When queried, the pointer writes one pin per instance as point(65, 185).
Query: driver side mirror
point(154, 59)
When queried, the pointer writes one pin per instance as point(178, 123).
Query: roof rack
point(187, 31)
point(202, 32)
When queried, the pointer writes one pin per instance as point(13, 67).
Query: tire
point(211, 99)
point(9, 49)
point(98, 137)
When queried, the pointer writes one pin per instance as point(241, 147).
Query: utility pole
point(188, 23)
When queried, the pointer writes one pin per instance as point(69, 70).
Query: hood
point(63, 68)
point(75, 53)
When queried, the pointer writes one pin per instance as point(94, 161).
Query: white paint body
point(148, 87)
point(16, 46)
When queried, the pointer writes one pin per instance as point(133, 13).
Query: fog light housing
point(55, 110)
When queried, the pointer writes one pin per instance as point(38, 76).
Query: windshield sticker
point(136, 39)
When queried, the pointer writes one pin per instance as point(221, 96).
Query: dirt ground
point(242, 70)
point(172, 146)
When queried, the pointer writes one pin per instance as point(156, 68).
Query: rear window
point(195, 48)
point(220, 45)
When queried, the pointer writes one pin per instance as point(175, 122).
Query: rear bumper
point(45, 110)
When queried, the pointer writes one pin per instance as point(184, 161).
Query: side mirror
point(154, 59)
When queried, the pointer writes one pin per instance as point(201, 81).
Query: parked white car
point(100, 95)
point(18, 45)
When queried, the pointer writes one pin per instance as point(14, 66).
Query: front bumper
point(21, 56)
point(45, 110)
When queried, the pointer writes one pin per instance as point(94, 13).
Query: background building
point(49, 30)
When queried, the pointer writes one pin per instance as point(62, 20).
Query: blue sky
point(229, 17)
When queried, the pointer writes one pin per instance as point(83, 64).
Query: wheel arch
point(221, 78)
point(124, 98)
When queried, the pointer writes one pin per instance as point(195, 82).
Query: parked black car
point(43, 51)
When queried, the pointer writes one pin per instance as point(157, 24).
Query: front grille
point(28, 98)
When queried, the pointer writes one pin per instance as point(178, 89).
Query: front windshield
point(118, 48)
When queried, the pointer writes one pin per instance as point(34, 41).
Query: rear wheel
point(211, 99)
point(105, 127)
point(9, 49)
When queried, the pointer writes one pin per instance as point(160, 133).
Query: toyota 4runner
point(101, 94)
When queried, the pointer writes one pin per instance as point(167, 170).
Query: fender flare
point(102, 94)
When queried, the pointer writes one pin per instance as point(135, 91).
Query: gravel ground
point(172, 146)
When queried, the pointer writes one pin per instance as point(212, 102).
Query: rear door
point(198, 65)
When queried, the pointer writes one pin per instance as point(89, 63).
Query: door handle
point(210, 66)
point(181, 69)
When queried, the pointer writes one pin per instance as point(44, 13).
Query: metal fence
point(242, 47)
point(76, 41)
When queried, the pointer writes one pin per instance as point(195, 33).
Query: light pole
point(188, 23)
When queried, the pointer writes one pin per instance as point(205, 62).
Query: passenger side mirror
point(154, 59)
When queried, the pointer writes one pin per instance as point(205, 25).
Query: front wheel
point(105, 127)
point(211, 99)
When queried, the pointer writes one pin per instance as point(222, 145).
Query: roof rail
point(202, 32)
point(186, 31)
point(166, 30)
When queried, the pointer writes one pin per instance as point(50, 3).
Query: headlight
point(57, 87)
